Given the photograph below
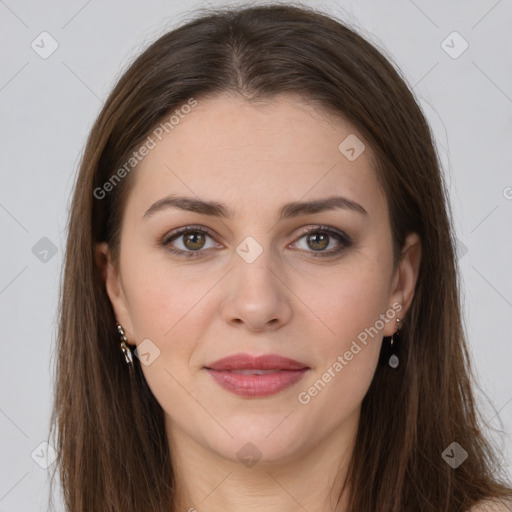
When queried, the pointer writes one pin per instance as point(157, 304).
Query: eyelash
point(338, 235)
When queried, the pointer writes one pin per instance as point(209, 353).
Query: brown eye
point(194, 240)
point(323, 241)
point(318, 241)
point(189, 241)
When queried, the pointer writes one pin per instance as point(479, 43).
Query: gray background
point(48, 106)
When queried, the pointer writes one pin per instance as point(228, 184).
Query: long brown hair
point(113, 454)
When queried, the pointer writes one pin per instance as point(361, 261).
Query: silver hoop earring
point(125, 349)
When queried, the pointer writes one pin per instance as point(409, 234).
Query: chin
point(262, 441)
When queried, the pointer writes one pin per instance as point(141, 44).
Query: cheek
point(174, 307)
point(345, 301)
point(168, 307)
point(350, 305)
point(160, 292)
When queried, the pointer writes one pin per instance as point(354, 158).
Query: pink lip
point(287, 372)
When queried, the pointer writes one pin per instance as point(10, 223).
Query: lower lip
point(257, 385)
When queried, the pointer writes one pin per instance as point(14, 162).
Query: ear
point(114, 288)
point(404, 279)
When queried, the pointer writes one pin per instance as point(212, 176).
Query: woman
point(260, 304)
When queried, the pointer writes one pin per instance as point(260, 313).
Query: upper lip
point(263, 362)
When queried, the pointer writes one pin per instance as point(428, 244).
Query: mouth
point(249, 376)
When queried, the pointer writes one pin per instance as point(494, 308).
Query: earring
point(124, 347)
point(393, 358)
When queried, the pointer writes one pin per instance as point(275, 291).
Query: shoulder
point(493, 506)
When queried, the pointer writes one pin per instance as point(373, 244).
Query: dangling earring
point(124, 347)
point(393, 358)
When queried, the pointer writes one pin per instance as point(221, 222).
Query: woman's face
point(248, 279)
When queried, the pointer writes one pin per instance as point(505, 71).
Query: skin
point(254, 158)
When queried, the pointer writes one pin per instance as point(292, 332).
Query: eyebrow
point(289, 210)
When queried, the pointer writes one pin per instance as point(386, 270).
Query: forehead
point(256, 155)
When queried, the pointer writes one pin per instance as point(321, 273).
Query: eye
point(190, 241)
point(321, 238)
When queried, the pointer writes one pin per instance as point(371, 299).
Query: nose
point(258, 297)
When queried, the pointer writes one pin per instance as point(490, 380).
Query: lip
point(280, 373)
point(264, 362)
